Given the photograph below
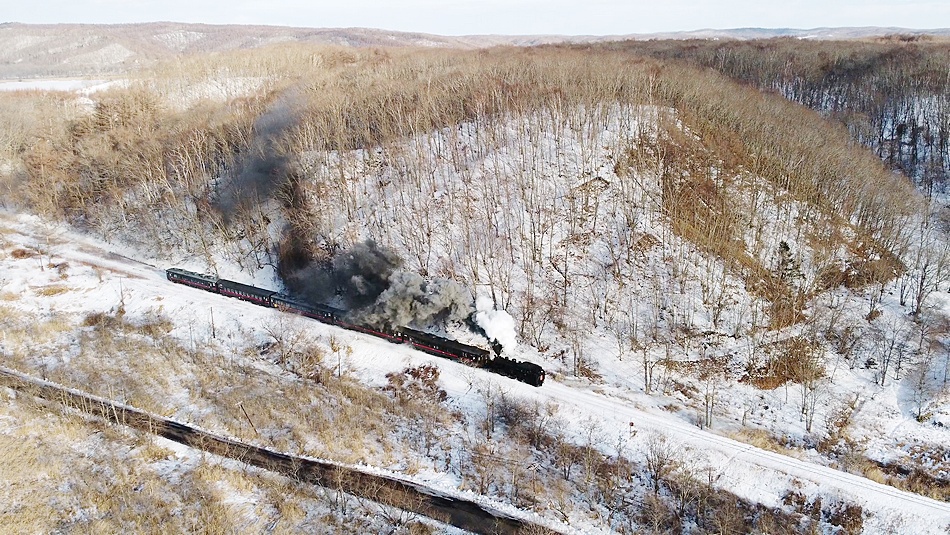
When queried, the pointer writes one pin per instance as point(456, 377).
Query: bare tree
point(711, 381)
point(649, 361)
point(892, 337)
point(921, 389)
point(294, 346)
point(930, 264)
point(660, 459)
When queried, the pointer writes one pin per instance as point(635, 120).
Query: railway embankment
point(390, 491)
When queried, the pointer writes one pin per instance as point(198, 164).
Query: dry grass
point(52, 290)
point(337, 418)
point(62, 473)
point(9, 316)
point(794, 360)
point(21, 254)
point(874, 473)
point(28, 490)
point(25, 331)
point(762, 439)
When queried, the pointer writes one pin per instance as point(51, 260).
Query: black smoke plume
point(262, 168)
point(353, 278)
point(410, 299)
point(363, 272)
point(368, 280)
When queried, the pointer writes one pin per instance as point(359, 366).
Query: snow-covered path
point(759, 474)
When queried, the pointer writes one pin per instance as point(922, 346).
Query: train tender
point(525, 372)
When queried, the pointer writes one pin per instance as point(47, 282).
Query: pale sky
point(513, 17)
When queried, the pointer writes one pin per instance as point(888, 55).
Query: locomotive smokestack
point(496, 347)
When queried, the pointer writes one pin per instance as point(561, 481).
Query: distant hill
point(42, 50)
point(50, 50)
point(813, 33)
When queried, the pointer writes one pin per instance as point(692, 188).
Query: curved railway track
point(405, 495)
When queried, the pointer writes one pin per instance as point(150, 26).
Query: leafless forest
point(891, 93)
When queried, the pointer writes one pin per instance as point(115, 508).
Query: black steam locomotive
point(526, 372)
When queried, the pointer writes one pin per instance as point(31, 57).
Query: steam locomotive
point(477, 357)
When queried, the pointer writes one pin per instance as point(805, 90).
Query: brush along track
point(389, 491)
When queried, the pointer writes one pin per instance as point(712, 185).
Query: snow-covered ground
point(100, 276)
point(77, 85)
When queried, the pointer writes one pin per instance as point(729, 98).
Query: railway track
point(408, 496)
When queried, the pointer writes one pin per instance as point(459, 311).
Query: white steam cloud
point(497, 324)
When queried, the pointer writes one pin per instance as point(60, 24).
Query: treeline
point(892, 94)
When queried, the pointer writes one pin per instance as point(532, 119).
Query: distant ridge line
point(74, 49)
